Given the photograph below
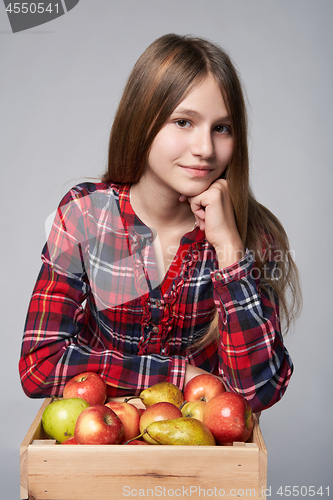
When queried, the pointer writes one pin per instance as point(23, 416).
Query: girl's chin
point(191, 193)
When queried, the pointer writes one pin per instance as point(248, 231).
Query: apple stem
point(182, 405)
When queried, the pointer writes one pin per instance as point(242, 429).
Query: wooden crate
point(88, 472)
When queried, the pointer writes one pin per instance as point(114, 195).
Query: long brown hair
point(162, 77)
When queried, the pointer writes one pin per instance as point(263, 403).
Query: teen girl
point(168, 267)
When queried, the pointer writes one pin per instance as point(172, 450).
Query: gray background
point(60, 84)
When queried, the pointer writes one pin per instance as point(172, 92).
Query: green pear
point(181, 431)
point(59, 417)
point(162, 392)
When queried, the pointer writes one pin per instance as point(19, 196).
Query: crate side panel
point(92, 473)
point(24, 472)
point(262, 473)
point(35, 431)
point(259, 440)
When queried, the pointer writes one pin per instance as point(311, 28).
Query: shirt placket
point(156, 304)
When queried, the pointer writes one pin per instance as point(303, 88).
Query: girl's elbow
point(31, 384)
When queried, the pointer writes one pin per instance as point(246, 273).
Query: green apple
point(194, 409)
point(59, 417)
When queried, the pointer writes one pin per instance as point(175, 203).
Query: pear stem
point(182, 405)
point(137, 437)
point(131, 397)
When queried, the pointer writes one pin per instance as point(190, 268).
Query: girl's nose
point(202, 144)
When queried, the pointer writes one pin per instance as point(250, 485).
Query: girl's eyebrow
point(191, 112)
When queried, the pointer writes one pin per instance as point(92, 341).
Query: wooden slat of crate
point(35, 432)
point(55, 472)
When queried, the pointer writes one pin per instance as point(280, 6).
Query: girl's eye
point(223, 129)
point(183, 123)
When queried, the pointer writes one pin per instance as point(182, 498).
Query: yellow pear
point(162, 392)
point(181, 431)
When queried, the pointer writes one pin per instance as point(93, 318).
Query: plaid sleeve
point(252, 357)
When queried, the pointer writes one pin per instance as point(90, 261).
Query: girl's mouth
point(197, 170)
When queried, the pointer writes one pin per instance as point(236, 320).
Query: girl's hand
point(192, 371)
point(214, 214)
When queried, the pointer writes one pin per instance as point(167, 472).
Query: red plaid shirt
point(98, 305)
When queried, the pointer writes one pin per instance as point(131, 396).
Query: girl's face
point(194, 146)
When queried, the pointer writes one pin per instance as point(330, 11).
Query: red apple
point(98, 425)
point(194, 409)
point(89, 386)
point(70, 440)
point(203, 387)
point(229, 418)
point(130, 417)
point(158, 411)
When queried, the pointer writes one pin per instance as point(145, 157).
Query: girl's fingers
point(199, 212)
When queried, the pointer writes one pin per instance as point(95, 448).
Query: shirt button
point(156, 329)
point(218, 276)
